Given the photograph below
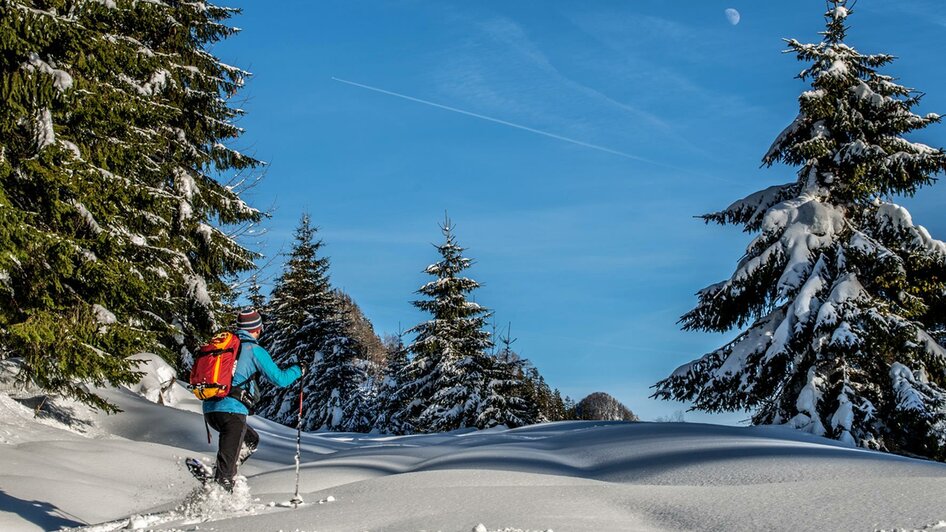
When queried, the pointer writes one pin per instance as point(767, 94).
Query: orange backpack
point(212, 374)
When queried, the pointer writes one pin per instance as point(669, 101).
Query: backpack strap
point(252, 377)
point(242, 392)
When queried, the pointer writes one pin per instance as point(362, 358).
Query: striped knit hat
point(249, 320)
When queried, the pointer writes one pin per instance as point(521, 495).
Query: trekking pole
point(296, 499)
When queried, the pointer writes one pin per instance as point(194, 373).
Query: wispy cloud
point(501, 68)
point(498, 67)
point(622, 33)
point(514, 39)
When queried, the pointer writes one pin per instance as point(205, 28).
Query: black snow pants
point(237, 442)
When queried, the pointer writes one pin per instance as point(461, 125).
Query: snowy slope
point(562, 476)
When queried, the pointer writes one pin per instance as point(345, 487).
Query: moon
point(732, 16)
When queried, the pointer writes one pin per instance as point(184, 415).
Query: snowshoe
point(200, 470)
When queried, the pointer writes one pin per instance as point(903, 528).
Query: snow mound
point(159, 383)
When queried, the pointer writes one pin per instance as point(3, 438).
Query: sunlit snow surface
point(126, 472)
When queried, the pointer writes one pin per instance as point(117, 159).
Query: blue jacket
point(253, 360)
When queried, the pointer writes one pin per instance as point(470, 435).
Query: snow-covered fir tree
point(386, 405)
point(843, 294)
point(301, 300)
point(307, 324)
point(444, 382)
point(338, 390)
point(114, 224)
point(506, 400)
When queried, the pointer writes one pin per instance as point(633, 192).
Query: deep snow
point(126, 471)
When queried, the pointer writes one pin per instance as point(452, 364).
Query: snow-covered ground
point(126, 471)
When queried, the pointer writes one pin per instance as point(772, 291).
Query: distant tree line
point(453, 374)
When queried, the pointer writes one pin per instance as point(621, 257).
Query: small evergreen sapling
point(506, 401)
point(387, 405)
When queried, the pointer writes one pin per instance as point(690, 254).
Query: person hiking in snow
point(227, 415)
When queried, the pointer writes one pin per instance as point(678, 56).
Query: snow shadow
point(677, 455)
point(40, 513)
point(698, 466)
point(46, 407)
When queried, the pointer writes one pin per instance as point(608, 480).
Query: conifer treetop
point(847, 137)
point(448, 291)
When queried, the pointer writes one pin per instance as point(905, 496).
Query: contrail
point(496, 120)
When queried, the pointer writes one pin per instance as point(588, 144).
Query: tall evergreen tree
point(569, 410)
point(444, 382)
point(539, 392)
point(309, 324)
point(843, 294)
point(113, 118)
point(302, 313)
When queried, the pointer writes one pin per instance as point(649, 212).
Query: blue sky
point(592, 256)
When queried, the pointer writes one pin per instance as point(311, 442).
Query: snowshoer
point(227, 415)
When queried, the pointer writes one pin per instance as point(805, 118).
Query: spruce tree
point(843, 295)
point(386, 405)
point(506, 400)
point(549, 403)
point(368, 365)
point(301, 314)
point(113, 219)
point(308, 325)
point(444, 382)
point(539, 392)
point(338, 396)
point(569, 410)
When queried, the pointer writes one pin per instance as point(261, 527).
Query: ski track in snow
point(125, 472)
